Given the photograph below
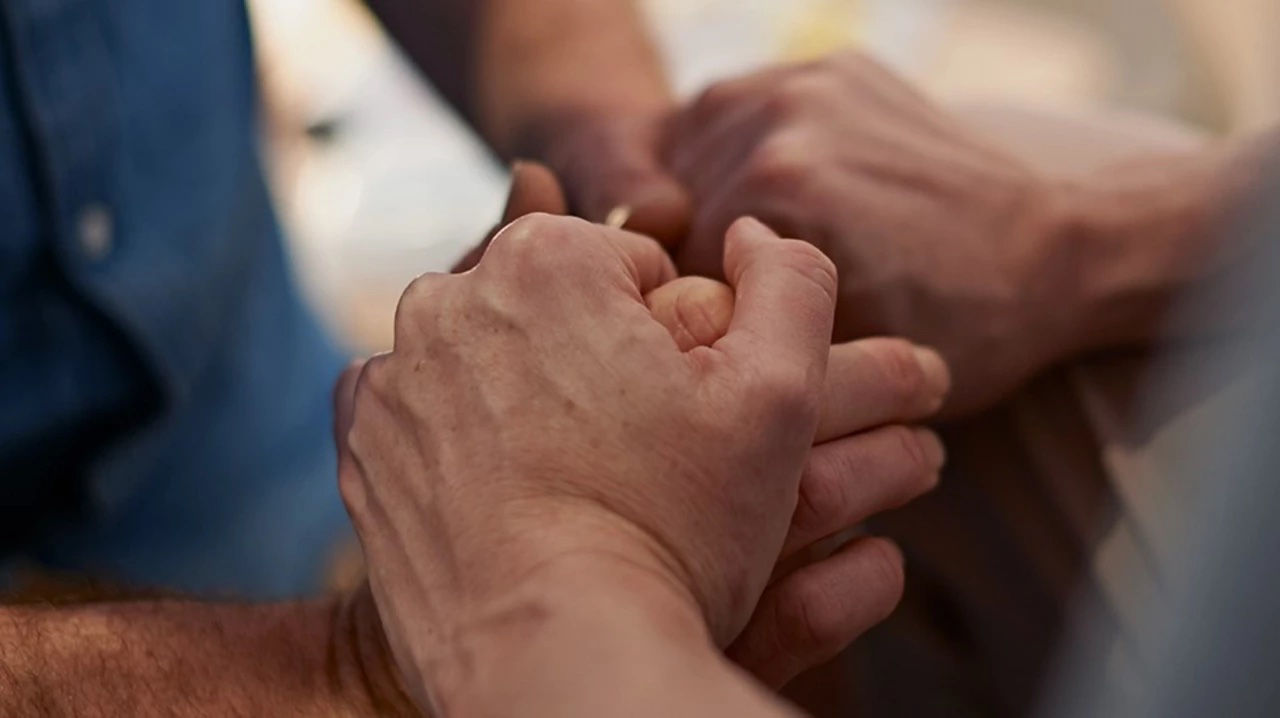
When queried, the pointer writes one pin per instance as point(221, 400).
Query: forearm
point(605, 641)
point(1141, 234)
point(514, 68)
point(169, 658)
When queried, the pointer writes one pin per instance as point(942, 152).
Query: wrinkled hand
point(533, 413)
point(817, 604)
point(862, 463)
point(937, 237)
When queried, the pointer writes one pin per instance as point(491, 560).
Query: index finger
point(552, 247)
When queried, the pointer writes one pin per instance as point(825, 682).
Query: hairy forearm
point(1142, 233)
point(176, 658)
point(514, 66)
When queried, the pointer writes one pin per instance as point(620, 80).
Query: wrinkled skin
point(510, 429)
point(937, 237)
point(817, 603)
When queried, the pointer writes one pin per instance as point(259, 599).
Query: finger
point(540, 247)
point(622, 168)
point(702, 252)
point(809, 617)
point(695, 310)
point(877, 381)
point(650, 264)
point(703, 118)
point(344, 393)
point(785, 299)
point(847, 481)
point(534, 188)
point(703, 156)
point(657, 204)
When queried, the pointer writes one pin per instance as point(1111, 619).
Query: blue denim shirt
point(164, 393)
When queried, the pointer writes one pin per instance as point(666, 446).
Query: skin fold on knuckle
point(915, 462)
point(820, 501)
point(901, 373)
point(886, 575)
point(807, 617)
point(810, 263)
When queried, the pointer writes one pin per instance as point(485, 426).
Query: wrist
point(360, 664)
point(451, 620)
point(1138, 235)
point(579, 615)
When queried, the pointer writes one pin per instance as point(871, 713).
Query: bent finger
point(809, 617)
point(847, 481)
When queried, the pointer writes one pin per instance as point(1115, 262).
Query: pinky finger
point(810, 616)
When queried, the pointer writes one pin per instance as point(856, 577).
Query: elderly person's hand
point(937, 236)
point(536, 418)
point(817, 603)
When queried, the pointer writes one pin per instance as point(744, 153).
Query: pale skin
point(941, 237)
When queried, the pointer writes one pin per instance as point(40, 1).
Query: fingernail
point(937, 376)
point(934, 450)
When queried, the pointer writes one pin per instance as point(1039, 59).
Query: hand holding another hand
point(937, 237)
point(547, 419)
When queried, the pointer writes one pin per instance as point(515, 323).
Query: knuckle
point(886, 568)
point(901, 371)
point(377, 379)
point(347, 380)
point(718, 97)
point(809, 85)
point(371, 383)
point(417, 304)
point(912, 452)
point(806, 615)
point(537, 241)
point(781, 162)
point(809, 261)
point(352, 491)
point(819, 497)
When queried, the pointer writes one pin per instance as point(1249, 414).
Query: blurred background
point(377, 182)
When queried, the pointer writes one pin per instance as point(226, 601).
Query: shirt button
point(95, 227)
